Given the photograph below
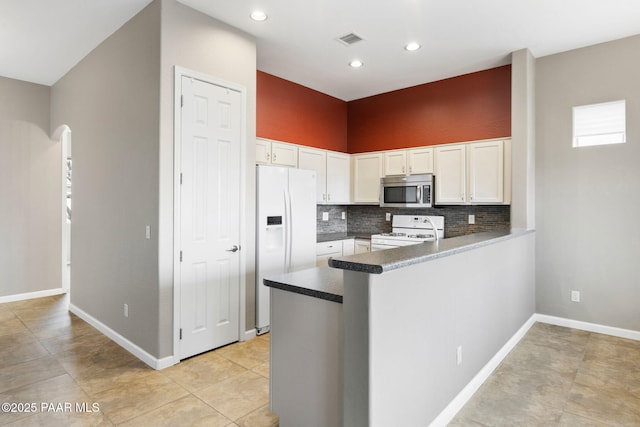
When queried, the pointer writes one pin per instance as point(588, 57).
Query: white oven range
point(408, 230)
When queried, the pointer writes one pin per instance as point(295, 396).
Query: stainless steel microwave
point(413, 191)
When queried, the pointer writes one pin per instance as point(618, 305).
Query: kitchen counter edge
point(379, 262)
point(318, 282)
point(330, 237)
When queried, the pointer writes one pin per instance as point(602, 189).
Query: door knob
point(234, 248)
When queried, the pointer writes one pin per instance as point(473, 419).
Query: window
point(599, 124)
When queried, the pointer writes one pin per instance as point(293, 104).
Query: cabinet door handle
point(328, 197)
point(268, 155)
point(274, 157)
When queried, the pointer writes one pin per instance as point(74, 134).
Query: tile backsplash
point(371, 219)
point(335, 224)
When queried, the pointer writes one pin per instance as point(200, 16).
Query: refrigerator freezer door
point(271, 222)
point(302, 191)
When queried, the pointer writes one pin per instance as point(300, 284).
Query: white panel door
point(209, 211)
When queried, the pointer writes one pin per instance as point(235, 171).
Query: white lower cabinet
point(362, 246)
point(334, 248)
point(326, 250)
point(348, 247)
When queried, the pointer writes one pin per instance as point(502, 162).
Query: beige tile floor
point(554, 377)
point(49, 356)
point(560, 377)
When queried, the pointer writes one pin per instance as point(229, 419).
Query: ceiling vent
point(349, 39)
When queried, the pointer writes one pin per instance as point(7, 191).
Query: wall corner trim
point(123, 342)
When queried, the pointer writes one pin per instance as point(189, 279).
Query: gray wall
point(118, 102)
point(200, 43)
point(587, 204)
point(110, 102)
point(31, 189)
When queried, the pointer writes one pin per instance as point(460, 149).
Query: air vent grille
point(349, 39)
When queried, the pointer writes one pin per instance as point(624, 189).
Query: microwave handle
point(419, 194)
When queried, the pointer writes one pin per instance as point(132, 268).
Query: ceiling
point(298, 40)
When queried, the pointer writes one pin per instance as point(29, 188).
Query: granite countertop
point(329, 237)
point(391, 259)
point(319, 282)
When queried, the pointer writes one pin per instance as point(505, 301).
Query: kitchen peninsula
point(392, 337)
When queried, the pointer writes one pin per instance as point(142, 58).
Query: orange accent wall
point(463, 108)
point(290, 112)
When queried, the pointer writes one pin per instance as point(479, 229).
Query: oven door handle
point(419, 194)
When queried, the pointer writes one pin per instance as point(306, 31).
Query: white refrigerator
point(286, 229)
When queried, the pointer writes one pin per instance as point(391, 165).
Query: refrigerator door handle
point(287, 231)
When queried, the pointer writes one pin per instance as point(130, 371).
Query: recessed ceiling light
point(412, 46)
point(258, 15)
point(356, 63)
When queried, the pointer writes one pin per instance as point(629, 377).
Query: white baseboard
point(463, 397)
point(132, 348)
point(32, 295)
point(590, 327)
point(251, 333)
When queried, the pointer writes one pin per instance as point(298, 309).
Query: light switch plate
point(325, 216)
point(472, 219)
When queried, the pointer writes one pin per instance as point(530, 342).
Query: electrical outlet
point(387, 217)
point(126, 310)
point(459, 355)
point(325, 216)
point(472, 219)
point(575, 296)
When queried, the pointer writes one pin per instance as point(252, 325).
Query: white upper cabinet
point(450, 171)
point(316, 160)
point(263, 151)
point(486, 169)
point(276, 153)
point(473, 173)
point(338, 178)
point(420, 160)
point(408, 162)
point(367, 170)
point(395, 163)
point(332, 174)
